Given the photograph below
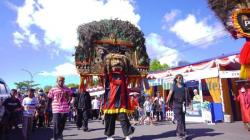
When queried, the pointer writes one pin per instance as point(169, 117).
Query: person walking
point(83, 106)
point(95, 107)
point(41, 110)
point(30, 104)
point(116, 104)
point(61, 96)
point(154, 107)
point(159, 103)
point(147, 108)
point(12, 106)
point(48, 110)
point(179, 94)
point(244, 99)
point(141, 100)
point(134, 107)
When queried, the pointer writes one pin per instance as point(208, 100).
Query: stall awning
point(229, 62)
point(155, 82)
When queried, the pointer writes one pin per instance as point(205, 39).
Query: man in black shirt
point(12, 106)
point(141, 100)
point(83, 105)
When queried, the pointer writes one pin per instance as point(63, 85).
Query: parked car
point(4, 93)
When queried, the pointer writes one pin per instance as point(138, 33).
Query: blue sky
point(40, 35)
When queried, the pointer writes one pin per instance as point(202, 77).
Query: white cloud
point(66, 69)
point(33, 40)
point(11, 5)
point(171, 15)
point(157, 49)
point(53, 52)
point(59, 19)
point(18, 38)
point(169, 18)
point(197, 32)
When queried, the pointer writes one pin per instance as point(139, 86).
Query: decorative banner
point(241, 21)
point(210, 87)
point(149, 91)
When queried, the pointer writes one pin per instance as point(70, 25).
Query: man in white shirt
point(30, 105)
point(159, 111)
point(147, 108)
point(95, 107)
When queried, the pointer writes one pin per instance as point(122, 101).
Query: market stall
point(210, 78)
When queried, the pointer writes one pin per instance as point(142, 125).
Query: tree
point(156, 65)
point(25, 85)
point(72, 85)
point(47, 88)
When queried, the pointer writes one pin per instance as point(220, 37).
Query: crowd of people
point(148, 109)
point(37, 109)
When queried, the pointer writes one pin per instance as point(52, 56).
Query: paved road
point(161, 131)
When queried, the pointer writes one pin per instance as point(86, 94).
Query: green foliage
point(47, 88)
point(24, 85)
point(156, 65)
point(72, 85)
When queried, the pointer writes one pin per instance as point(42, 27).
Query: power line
point(189, 48)
point(199, 39)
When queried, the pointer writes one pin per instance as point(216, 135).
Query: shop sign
point(229, 74)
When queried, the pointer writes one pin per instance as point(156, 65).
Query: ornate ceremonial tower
point(102, 41)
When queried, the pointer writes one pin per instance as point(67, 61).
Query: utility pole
point(31, 76)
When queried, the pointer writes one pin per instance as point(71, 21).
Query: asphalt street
point(160, 131)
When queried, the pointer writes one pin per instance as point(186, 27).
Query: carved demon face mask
point(111, 45)
point(116, 63)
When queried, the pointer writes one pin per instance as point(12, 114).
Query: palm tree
point(24, 85)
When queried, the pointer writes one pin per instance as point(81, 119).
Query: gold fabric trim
point(116, 111)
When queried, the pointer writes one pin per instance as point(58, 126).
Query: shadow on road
point(192, 133)
point(38, 134)
point(95, 129)
point(162, 123)
point(104, 138)
point(69, 135)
